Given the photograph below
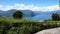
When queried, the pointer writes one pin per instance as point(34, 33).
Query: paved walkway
point(50, 31)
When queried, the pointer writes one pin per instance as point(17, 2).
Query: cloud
point(29, 7)
point(49, 8)
point(1, 7)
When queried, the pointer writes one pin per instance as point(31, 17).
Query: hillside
point(34, 15)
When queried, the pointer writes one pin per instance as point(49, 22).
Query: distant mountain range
point(34, 15)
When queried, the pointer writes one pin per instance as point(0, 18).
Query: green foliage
point(53, 24)
point(17, 14)
point(18, 26)
point(12, 20)
point(55, 17)
point(23, 26)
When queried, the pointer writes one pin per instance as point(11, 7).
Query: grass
point(12, 20)
point(24, 26)
point(54, 23)
point(18, 26)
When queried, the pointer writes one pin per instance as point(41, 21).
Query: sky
point(34, 5)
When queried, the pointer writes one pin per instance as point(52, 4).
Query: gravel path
point(50, 31)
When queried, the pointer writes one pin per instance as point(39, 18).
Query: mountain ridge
point(35, 15)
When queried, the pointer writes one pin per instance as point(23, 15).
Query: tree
point(17, 14)
point(55, 17)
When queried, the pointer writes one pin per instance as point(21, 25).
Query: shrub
point(17, 14)
point(55, 17)
point(23, 26)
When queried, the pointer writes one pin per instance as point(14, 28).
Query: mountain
point(34, 15)
point(9, 13)
point(27, 13)
point(2, 12)
point(40, 15)
point(58, 11)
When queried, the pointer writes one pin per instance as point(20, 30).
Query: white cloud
point(49, 8)
point(52, 8)
point(29, 7)
point(19, 4)
point(1, 7)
